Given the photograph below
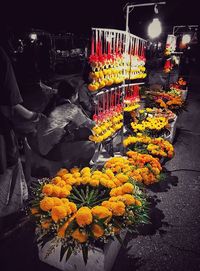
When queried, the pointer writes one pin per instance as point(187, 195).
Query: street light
point(155, 26)
point(186, 39)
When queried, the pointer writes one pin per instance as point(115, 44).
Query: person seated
point(63, 134)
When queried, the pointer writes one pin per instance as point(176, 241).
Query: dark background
point(79, 16)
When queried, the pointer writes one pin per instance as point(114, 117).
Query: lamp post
point(130, 7)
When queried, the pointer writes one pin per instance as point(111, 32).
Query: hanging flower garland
point(78, 208)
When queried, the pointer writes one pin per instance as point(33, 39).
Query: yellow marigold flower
point(71, 181)
point(127, 188)
point(76, 174)
point(122, 178)
point(62, 172)
point(46, 204)
point(64, 201)
point(67, 176)
point(69, 187)
point(34, 211)
point(56, 191)
point(47, 189)
point(57, 201)
point(97, 231)
point(117, 182)
point(64, 192)
point(45, 224)
point(118, 208)
point(128, 199)
point(111, 184)
point(84, 216)
point(97, 172)
point(109, 173)
point(101, 212)
point(72, 206)
point(85, 170)
point(74, 170)
point(58, 212)
point(80, 236)
point(61, 183)
point(106, 204)
point(56, 179)
point(94, 182)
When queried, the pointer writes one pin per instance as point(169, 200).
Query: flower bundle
point(80, 206)
point(143, 168)
point(106, 128)
point(156, 112)
point(157, 147)
point(151, 125)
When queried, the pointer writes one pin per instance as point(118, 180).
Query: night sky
point(79, 16)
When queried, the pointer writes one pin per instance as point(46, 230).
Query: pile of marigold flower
point(157, 147)
point(81, 206)
point(142, 168)
point(150, 124)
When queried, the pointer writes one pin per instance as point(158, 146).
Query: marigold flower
point(62, 172)
point(62, 229)
point(47, 189)
point(84, 216)
point(46, 223)
point(128, 199)
point(74, 170)
point(101, 212)
point(46, 204)
point(56, 191)
point(97, 231)
point(56, 179)
point(72, 206)
point(94, 182)
point(80, 236)
point(64, 192)
point(118, 208)
point(127, 188)
point(58, 212)
point(34, 211)
point(57, 201)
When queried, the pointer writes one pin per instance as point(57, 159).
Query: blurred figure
point(13, 188)
point(64, 136)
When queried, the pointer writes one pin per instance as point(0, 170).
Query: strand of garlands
point(108, 115)
point(78, 207)
point(109, 61)
point(157, 147)
point(131, 98)
point(143, 168)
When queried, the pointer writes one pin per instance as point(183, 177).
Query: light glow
point(155, 28)
point(186, 38)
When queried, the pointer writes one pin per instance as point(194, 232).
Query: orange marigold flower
point(127, 188)
point(58, 212)
point(97, 231)
point(47, 189)
point(62, 172)
point(84, 216)
point(80, 236)
point(46, 204)
point(101, 212)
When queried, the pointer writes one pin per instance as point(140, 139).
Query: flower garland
point(156, 112)
point(106, 128)
point(157, 147)
point(82, 205)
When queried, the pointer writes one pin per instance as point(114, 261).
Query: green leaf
point(62, 252)
point(85, 253)
point(69, 253)
point(45, 239)
point(119, 239)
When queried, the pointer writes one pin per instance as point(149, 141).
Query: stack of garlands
point(157, 147)
point(142, 168)
point(106, 128)
point(152, 126)
point(78, 208)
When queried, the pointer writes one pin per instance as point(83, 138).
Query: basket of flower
point(76, 214)
point(157, 147)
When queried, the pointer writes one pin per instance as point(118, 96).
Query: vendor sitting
point(63, 134)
